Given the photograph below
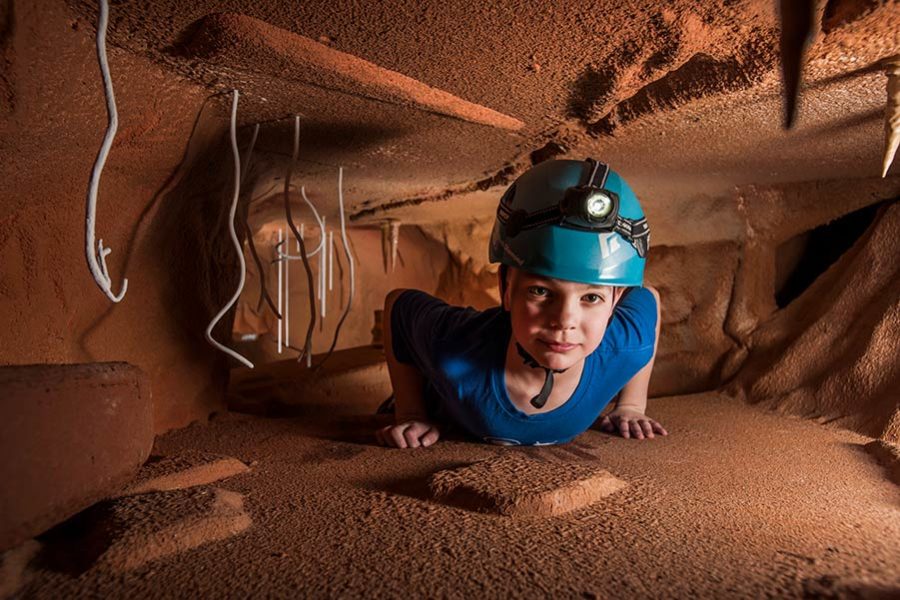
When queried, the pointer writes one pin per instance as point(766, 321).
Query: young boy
point(574, 330)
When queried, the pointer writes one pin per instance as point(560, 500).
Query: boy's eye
point(539, 291)
point(592, 298)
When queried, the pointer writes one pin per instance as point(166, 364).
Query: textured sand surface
point(182, 470)
point(733, 503)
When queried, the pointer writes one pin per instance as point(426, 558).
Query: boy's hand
point(408, 434)
point(631, 423)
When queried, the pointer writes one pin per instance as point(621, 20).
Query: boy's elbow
point(391, 298)
point(655, 293)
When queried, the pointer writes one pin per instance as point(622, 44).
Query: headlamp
point(587, 207)
point(590, 207)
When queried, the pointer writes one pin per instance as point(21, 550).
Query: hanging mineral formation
point(395, 240)
point(891, 115)
point(385, 244)
point(797, 18)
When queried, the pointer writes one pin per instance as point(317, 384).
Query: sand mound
point(182, 471)
point(151, 526)
point(887, 454)
point(517, 486)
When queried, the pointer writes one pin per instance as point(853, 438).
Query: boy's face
point(558, 322)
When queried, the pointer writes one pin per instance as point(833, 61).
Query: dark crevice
point(842, 12)
point(800, 260)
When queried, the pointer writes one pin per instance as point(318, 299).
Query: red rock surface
point(70, 435)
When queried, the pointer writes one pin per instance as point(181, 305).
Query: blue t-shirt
point(462, 354)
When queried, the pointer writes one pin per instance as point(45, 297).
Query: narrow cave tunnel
point(213, 384)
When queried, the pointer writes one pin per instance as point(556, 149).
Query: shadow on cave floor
point(734, 502)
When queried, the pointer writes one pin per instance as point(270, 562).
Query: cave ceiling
point(427, 104)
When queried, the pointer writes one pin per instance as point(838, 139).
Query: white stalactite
point(280, 291)
point(891, 115)
point(97, 259)
point(234, 239)
point(330, 260)
point(287, 295)
point(395, 242)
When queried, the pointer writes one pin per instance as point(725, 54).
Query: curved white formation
point(891, 115)
point(97, 259)
point(349, 256)
point(234, 239)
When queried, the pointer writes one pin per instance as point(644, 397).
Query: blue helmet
point(572, 220)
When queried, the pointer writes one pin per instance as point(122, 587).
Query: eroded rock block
point(147, 527)
point(887, 454)
point(518, 486)
point(70, 435)
point(182, 471)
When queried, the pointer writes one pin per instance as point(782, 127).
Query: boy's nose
point(565, 317)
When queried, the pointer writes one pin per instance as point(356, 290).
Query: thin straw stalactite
point(97, 258)
point(307, 347)
point(347, 253)
point(234, 239)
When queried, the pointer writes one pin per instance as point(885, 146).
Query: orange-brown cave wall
point(151, 212)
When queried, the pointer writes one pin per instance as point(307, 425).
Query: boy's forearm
point(634, 394)
point(406, 380)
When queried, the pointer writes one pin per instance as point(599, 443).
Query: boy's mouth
point(557, 346)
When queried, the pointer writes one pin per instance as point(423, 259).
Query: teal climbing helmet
point(572, 220)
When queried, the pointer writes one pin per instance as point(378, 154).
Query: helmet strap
point(541, 399)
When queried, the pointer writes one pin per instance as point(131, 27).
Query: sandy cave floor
point(734, 502)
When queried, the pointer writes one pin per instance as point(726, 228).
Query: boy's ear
point(502, 275)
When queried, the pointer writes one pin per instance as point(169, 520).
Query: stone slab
point(518, 486)
point(70, 435)
point(181, 471)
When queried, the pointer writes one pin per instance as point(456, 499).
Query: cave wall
point(832, 354)
point(150, 212)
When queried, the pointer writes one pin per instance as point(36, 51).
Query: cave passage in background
point(801, 259)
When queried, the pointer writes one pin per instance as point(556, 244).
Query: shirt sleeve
point(633, 324)
point(419, 322)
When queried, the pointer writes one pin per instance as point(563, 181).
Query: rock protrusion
point(70, 435)
point(146, 527)
point(887, 454)
point(181, 471)
point(518, 486)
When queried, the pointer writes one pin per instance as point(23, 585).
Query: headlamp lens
point(598, 205)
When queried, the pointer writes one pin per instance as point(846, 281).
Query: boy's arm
point(411, 427)
point(628, 417)
point(407, 381)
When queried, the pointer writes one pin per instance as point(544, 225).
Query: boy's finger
point(647, 427)
point(636, 429)
point(623, 428)
point(396, 435)
point(606, 424)
point(659, 428)
point(430, 437)
point(411, 435)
